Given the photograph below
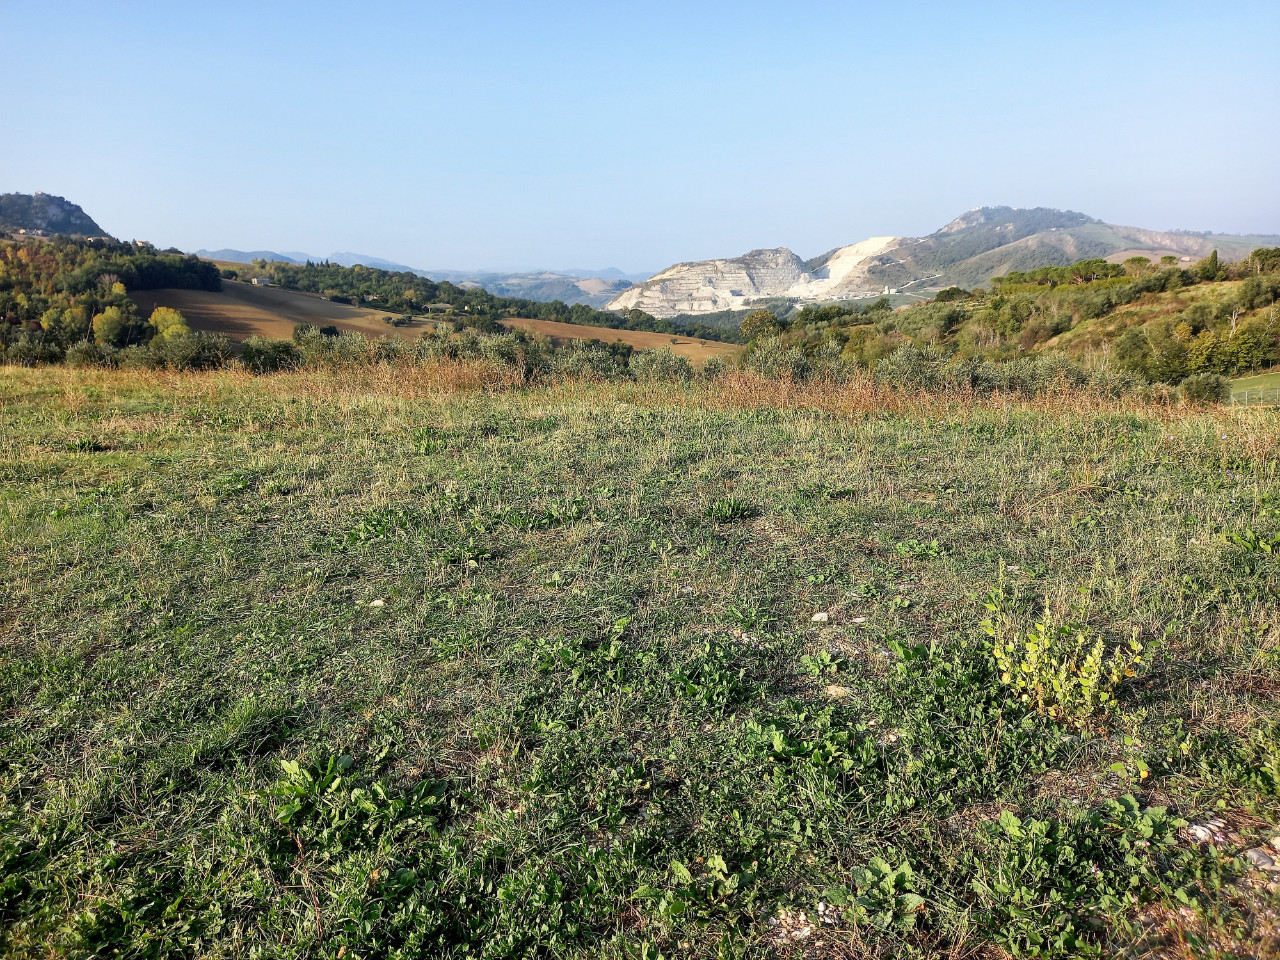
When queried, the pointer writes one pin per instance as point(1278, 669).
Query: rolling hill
point(966, 252)
point(242, 310)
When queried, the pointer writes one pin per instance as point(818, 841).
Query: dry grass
point(734, 390)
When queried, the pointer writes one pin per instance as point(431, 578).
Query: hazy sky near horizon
point(520, 135)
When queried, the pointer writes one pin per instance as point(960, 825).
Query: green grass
point(1264, 381)
point(293, 673)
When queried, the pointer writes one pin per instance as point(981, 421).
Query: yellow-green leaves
point(1061, 671)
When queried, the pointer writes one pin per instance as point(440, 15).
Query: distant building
point(262, 281)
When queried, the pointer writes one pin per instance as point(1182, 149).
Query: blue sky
point(522, 135)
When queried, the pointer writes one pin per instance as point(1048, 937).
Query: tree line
point(406, 293)
point(59, 292)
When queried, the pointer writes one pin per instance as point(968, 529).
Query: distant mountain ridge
point(967, 252)
point(593, 288)
point(45, 213)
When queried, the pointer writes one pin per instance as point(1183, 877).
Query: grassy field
point(382, 664)
point(1264, 381)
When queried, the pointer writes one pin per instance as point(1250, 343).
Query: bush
point(322, 347)
point(262, 355)
point(30, 351)
point(191, 351)
point(87, 353)
point(714, 367)
point(588, 359)
point(1204, 388)
point(389, 349)
point(915, 368)
point(660, 365)
point(136, 357)
point(771, 358)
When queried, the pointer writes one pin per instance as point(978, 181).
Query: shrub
point(87, 353)
point(770, 357)
point(389, 349)
point(321, 347)
point(191, 351)
point(513, 350)
point(262, 355)
point(714, 367)
point(30, 351)
point(915, 368)
point(1204, 388)
point(135, 357)
point(589, 360)
point(660, 365)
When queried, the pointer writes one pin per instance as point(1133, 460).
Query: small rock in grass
point(377, 603)
point(859, 619)
point(1208, 832)
point(836, 692)
point(1261, 860)
point(820, 617)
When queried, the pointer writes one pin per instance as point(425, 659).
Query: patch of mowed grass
point(538, 674)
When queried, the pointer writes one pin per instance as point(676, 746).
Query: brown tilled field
point(241, 310)
point(698, 351)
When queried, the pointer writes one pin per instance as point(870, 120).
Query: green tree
point(169, 322)
point(759, 323)
point(109, 326)
point(1211, 267)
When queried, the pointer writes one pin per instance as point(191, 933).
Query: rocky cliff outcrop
point(45, 213)
point(708, 286)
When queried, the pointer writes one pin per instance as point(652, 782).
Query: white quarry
point(708, 286)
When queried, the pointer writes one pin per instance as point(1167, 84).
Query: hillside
point(242, 310)
point(967, 252)
point(43, 213)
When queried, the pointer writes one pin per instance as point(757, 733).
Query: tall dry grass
point(1253, 430)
